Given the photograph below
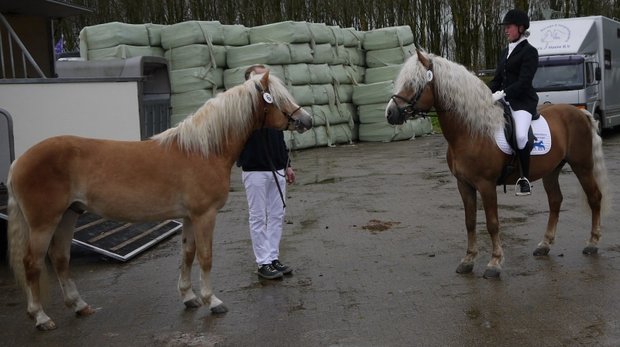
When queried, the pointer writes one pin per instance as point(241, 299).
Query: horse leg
point(203, 228)
point(188, 249)
point(468, 194)
point(488, 194)
point(34, 265)
point(594, 196)
point(60, 254)
point(554, 197)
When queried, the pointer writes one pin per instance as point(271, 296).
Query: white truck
point(579, 64)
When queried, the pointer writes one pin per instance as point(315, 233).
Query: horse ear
point(264, 81)
point(422, 58)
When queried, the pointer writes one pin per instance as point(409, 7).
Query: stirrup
point(518, 191)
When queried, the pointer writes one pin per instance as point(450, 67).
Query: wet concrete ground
point(375, 232)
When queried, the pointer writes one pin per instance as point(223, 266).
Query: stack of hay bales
point(312, 60)
point(343, 77)
point(196, 53)
point(386, 51)
point(120, 41)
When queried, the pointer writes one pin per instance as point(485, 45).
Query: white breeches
point(522, 120)
point(266, 213)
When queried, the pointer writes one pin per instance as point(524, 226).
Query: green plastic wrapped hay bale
point(347, 74)
point(372, 113)
point(190, 32)
point(259, 53)
point(353, 37)
point(191, 100)
point(390, 37)
point(297, 74)
point(320, 74)
point(282, 32)
point(373, 93)
point(113, 34)
point(383, 73)
point(344, 92)
point(186, 80)
point(303, 94)
point(154, 31)
point(323, 94)
point(391, 56)
point(320, 33)
point(301, 53)
point(236, 35)
point(196, 55)
point(324, 54)
point(124, 52)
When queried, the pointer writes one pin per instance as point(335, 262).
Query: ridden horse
point(469, 119)
point(183, 172)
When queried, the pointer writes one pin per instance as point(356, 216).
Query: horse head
point(279, 109)
point(413, 92)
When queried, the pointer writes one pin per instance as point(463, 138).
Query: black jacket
point(265, 146)
point(514, 76)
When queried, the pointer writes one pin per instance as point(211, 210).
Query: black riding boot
point(523, 184)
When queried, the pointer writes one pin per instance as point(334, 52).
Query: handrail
point(12, 36)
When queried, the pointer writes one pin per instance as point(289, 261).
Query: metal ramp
point(118, 240)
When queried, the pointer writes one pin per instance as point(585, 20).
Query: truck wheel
point(597, 116)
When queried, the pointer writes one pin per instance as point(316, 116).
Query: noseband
point(410, 109)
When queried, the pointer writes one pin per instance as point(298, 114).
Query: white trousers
point(522, 119)
point(266, 213)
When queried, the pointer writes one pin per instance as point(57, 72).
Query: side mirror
point(597, 73)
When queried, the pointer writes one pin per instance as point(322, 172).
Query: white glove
point(498, 95)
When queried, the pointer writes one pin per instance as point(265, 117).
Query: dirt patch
point(377, 226)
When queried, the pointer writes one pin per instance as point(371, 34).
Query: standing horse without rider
point(183, 172)
point(470, 122)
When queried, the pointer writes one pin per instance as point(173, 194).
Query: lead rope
point(274, 172)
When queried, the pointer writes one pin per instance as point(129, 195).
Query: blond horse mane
point(458, 90)
point(227, 114)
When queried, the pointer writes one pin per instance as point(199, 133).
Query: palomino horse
point(469, 119)
point(183, 172)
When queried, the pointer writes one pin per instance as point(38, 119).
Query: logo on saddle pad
point(542, 141)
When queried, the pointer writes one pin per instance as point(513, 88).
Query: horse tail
point(600, 169)
point(17, 234)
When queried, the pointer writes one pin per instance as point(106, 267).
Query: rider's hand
point(498, 95)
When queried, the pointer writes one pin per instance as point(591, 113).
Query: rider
point(513, 81)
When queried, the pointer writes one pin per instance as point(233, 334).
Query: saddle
point(511, 138)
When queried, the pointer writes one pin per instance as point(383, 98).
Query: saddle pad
point(542, 141)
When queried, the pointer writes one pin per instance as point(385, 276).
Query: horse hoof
point(491, 273)
point(193, 303)
point(541, 251)
point(465, 268)
point(219, 309)
point(590, 250)
point(47, 326)
point(86, 311)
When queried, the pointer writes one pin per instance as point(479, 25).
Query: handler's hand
point(290, 175)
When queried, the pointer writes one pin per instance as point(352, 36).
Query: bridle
point(268, 98)
point(410, 108)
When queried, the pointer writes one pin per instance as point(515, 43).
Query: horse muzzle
point(394, 114)
point(300, 123)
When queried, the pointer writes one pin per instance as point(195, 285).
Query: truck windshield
point(559, 77)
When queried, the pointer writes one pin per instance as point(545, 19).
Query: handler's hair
point(253, 68)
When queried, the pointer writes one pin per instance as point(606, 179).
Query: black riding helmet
point(516, 17)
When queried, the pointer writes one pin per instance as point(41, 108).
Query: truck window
point(590, 77)
point(559, 77)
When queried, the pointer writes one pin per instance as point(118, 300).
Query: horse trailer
point(579, 64)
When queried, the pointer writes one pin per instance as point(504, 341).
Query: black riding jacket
point(514, 76)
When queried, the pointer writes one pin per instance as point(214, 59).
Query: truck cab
point(579, 64)
point(568, 79)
